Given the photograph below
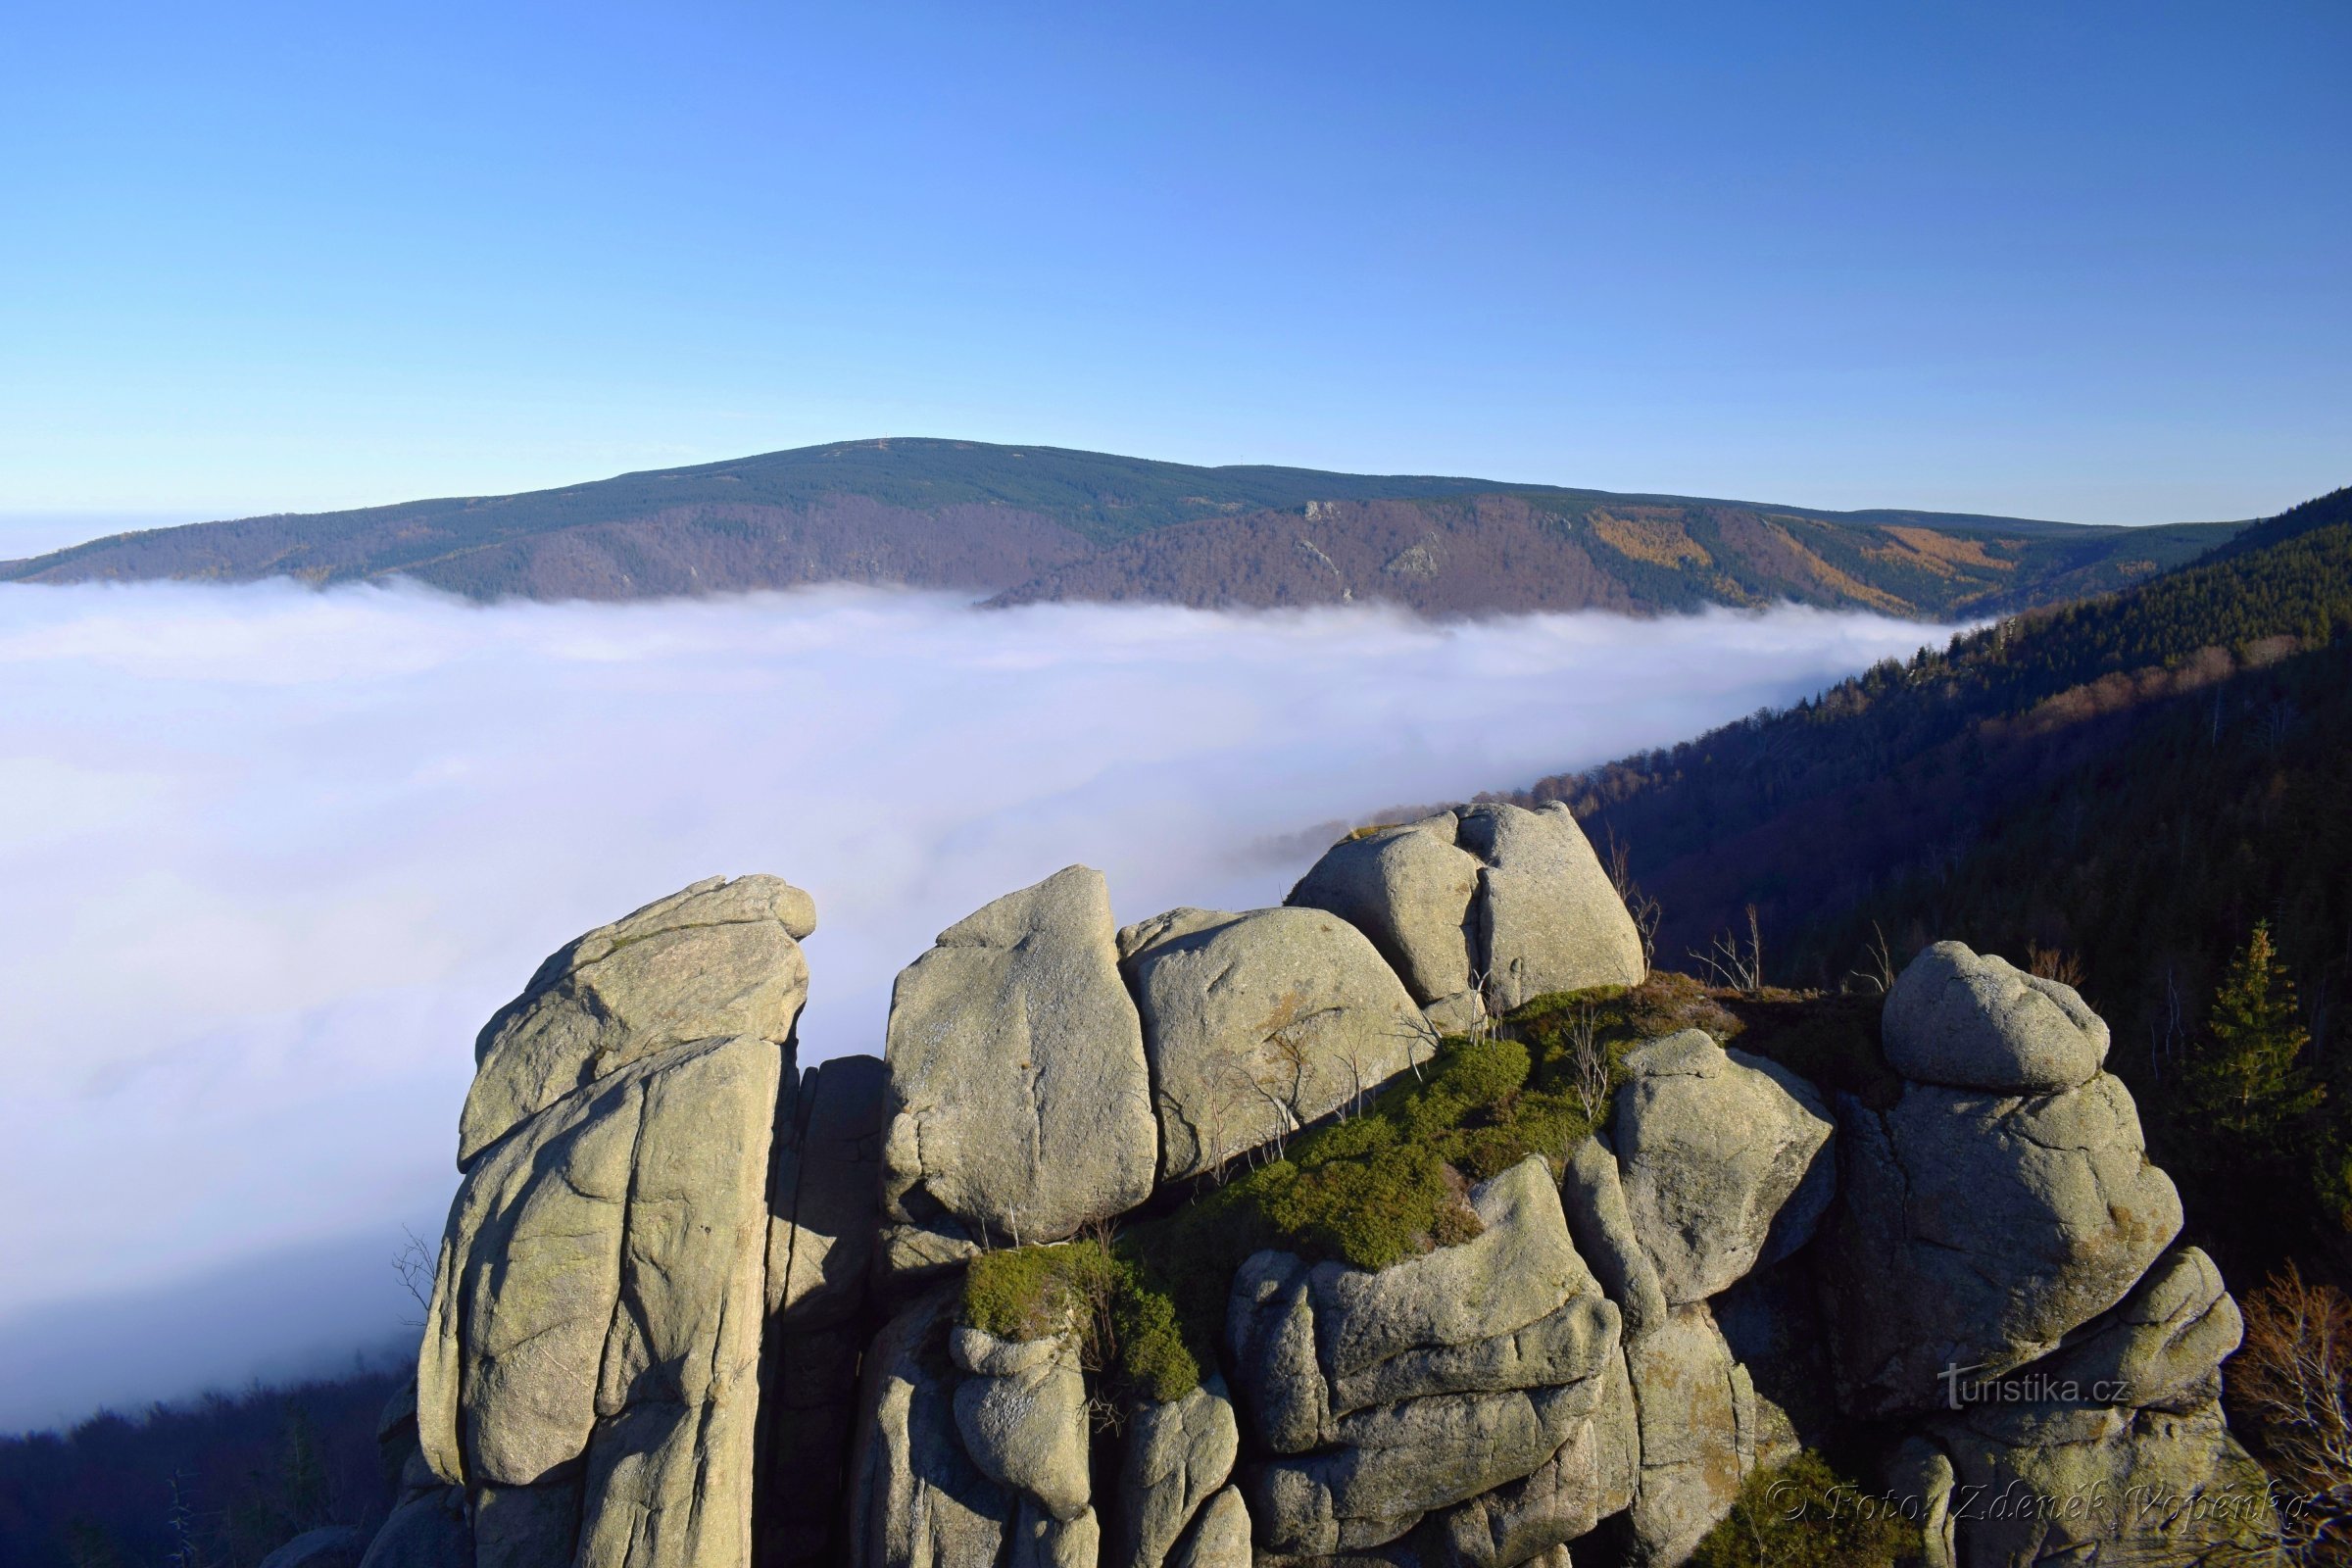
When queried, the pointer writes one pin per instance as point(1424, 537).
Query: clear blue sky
point(2080, 260)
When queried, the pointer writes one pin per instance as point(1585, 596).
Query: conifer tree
point(2249, 1078)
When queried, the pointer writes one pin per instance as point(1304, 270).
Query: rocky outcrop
point(1021, 1411)
point(2125, 1426)
point(1722, 1161)
point(1593, 1196)
point(1257, 1024)
point(1969, 1023)
point(1389, 1395)
point(1176, 1458)
point(916, 1499)
point(1979, 1230)
point(1483, 908)
point(1410, 890)
point(623, 1229)
point(1698, 1422)
point(1547, 917)
point(694, 1306)
point(1020, 1106)
point(718, 959)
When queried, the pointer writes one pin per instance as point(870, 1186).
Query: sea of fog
point(271, 857)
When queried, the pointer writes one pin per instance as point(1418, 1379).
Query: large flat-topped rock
point(1976, 1022)
point(1257, 1024)
point(1020, 1106)
point(716, 960)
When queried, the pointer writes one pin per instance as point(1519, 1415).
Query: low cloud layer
point(273, 856)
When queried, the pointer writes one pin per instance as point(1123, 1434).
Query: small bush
point(1805, 1514)
point(1128, 1328)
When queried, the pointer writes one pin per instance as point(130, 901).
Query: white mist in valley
point(272, 855)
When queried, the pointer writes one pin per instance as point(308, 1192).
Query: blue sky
point(2082, 260)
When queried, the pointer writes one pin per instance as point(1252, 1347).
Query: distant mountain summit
point(1028, 524)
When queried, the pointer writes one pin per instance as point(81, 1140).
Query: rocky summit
point(1413, 1223)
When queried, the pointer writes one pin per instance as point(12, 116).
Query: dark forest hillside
point(218, 1482)
point(2120, 790)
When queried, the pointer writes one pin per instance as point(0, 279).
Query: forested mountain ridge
point(2120, 790)
point(1040, 523)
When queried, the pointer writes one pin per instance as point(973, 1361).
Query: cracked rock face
point(1724, 1161)
point(714, 959)
point(1408, 889)
point(1977, 1230)
point(1969, 1023)
point(591, 1354)
point(1020, 1106)
point(1547, 919)
point(916, 1499)
point(1257, 1024)
point(1389, 1395)
point(1175, 1462)
point(1482, 908)
point(1697, 1415)
point(826, 1215)
point(2123, 1429)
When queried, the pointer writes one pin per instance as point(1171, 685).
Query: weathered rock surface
point(328, 1547)
point(716, 960)
point(1547, 919)
point(428, 1531)
point(2117, 1439)
point(1588, 1479)
point(1969, 1023)
point(1514, 1307)
point(597, 1305)
point(1257, 1024)
point(1219, 1538)
point(1391, 1465)
point(916, 1499)
point(1021, 1411)
point(1771, 1323)
point(1979, 1230)
point(2163, 1346)
point(1175, 1457)
point(1593, 1196)
point(2103, 1484)
point(1722, 1161)
point(1482, 908)
point(1696, 1411)
point(1420, 1386)
point(1020, 1106)
point(1409, 889)
point(658, 1300)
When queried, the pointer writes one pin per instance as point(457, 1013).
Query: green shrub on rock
point(1805, 1514)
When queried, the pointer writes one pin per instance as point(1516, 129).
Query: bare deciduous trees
point(2294, 1374)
